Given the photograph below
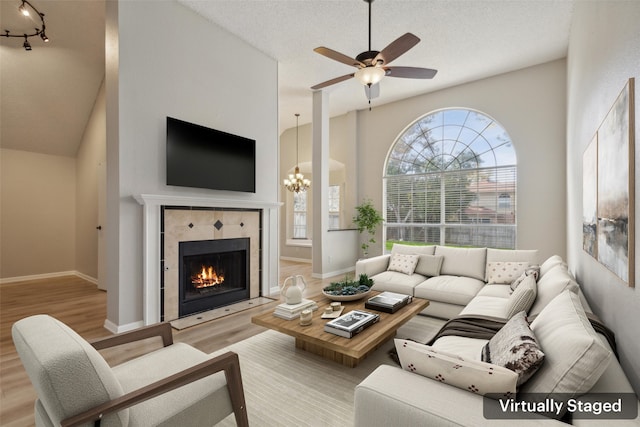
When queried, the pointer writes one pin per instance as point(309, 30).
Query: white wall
point(165, 60)
point(602, 57)
point(37, 214)
point(530, 105)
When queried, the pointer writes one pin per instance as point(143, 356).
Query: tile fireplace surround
point(202, 213)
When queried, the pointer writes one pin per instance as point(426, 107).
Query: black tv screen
point(201, 157)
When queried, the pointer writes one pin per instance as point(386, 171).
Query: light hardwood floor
point(82, 306)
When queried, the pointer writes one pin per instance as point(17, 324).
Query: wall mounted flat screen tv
point(201, 157)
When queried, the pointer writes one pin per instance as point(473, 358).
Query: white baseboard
point(333, 273)
point(37, 277)
point(87, 278)
point(49, 276)
point(288, 258)
point(112, 327)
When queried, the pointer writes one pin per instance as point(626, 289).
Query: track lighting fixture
point(24, 9)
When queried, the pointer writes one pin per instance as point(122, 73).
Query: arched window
point(450, 179)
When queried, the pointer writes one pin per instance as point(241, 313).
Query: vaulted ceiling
point(47, 93)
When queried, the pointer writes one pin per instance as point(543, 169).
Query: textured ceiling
point(47, 94)
point(464, 40)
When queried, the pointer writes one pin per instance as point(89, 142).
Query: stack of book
point(292, 311)
point(351, 323)
point(389, 302)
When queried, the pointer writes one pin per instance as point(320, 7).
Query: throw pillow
point(472, 375)
point(429, 265)
point(515, 347)
point(403, 263)
point(533, 270)
point(499, 272)
point(575, 357)
point(523, 297)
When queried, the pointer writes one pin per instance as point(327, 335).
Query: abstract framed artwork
point(590, 198)
point(616, 189)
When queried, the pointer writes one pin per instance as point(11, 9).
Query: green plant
point(367, 219)
point(350, 286)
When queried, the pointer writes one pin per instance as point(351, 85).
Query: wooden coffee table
point(347, 351)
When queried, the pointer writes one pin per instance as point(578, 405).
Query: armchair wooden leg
point(236, 392)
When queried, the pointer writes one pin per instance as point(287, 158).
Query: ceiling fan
point(373, 65)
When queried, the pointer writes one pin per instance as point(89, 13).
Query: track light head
point(26, 44)
point(23, 9)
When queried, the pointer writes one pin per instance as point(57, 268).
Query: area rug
point(285, 386)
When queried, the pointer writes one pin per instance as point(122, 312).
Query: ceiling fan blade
point(410, 72)
point(332, 81)
point(337, 56)
point(396, 48)
point(372, 91)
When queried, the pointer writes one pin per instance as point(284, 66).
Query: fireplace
point(212, 274)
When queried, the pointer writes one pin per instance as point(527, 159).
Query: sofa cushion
point(403, 263)
point(471, 375)
point(451, 289)
point(574, 355)
point(469, 262)
point(54, 357)
point(515, 347)
point(549, 263)
point(486, 306)
point(522, 298)
point(493, 290)
point(398, 248)
point(429, 265)
point(550, 285)
point(393, 281)
point(505, 272)
point(514, 255)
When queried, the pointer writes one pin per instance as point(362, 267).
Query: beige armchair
point(176, 385)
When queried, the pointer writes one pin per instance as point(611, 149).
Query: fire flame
point(207, 277)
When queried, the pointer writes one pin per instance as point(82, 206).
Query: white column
point(320, 184)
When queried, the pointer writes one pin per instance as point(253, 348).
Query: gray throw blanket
point(485, 327)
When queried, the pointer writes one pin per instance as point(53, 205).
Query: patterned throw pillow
point(533, 270)
point(471, 375)
point(515, 347)
point(523, 297)
point(403, 263)
point(504, 272)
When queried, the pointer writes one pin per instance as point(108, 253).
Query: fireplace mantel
point(152, 204)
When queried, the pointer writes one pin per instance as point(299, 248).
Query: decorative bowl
point(346, 297)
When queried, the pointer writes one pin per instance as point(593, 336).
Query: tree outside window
point(451, 180)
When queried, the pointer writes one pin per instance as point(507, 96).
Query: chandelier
point(296, 181)
point(38, 32)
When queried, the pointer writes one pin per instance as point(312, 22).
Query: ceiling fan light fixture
point(370, 75)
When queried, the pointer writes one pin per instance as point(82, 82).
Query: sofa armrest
point(372, 266)
point(393, 396)
point(162, 330)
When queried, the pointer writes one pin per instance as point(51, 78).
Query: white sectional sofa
point(431, 387)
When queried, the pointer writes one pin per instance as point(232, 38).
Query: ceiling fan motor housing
point(367, 57)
